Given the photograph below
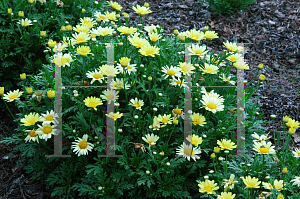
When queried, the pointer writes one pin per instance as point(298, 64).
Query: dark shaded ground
point(271, 26)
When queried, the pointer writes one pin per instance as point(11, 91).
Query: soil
point(271, 29)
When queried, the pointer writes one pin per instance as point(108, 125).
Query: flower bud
point(29, 90)
point(50, 94)
point(21, 13)
point(43, 33)
point(206, 28)
point(120, 130)
point(148, 172)
point(213, 155)
point(83, 10)
point(217, 149)
point(262, 77)
point(23, 76)
point(9, 11)
point(162, 153)
point(260, 66)
point(284, 170)
point(150, 78)
point(272, 116)
point(168, 163)
point(292, 131)
point(175, 32)
point(154, 109)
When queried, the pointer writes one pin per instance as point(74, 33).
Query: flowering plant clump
point(121, 110)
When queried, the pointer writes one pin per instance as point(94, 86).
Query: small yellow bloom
point(124, 61)
point(1, 90)
point(21, 13)
point(83, 10)
point(29, 90)
point(292, 131)
point(50, 94)
point(217, 149)
point(206, 28)
point(115, 6)
point(63, 28)
point(209, 35)
point(69, 28)
point(280, 196)
point(51, 43)
point(175, 121)
point(23, 76)
point(176, 31)
point(284, 170)
point(31, 1)
point(141, 10)
point(146, 4)
point(262, 77)
point(83, 50)
point(213, 155)
point(9, 11)
point(260, 66)
point(43, 33)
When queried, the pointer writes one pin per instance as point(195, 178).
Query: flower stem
point(90, 120)
point(9, 110)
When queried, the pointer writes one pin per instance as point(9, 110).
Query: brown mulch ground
point(272, 28)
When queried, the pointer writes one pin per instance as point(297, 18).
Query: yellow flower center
point(170, 73)
point(129, 67)
point(196, 121)
point(47, 130)
point(83, 144)
point(233, 59)
point(149, 52)
point(188, 151)
point(165, 121)
point(32, 121)
point(14, 96)
point(208, 189)
point(208, 70)
point(97, 76)
point(251, 184)
point(211, 106)
point(177, 111)
point(32, 133)
point(178, 82)
point(264, 150)
point(137, 105)
point(226, 146)
point(49, 118)
point(198, 52)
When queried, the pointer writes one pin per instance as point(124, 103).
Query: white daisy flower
point(45, 131)
point(81, 146)
point(96, 76)
point(31, 136)
point(296, 181)
point(171, 72)
point(49, 117)
point(187, 151)
point(212, 104)
point(110, 95)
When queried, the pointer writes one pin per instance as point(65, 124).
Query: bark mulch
point(271, 29)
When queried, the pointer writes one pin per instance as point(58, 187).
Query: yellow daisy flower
point(111, 16)
point(198, 119)
point(292, 123)
point(12, 95)
point(156, 124)
point(82, 28)
point(198, 50)
point(186, 69)
point(141, 10)
point(226, 144)
point(119, 84)
point(109, 70)
point(151, 28)
point(92, 102)
point(226, 195)
point(49, 117)
point(234, 58)
point(83, 50)
point(137, 103)
point(209, 35)
point(154, 36)
point(137, 41)
point(232, 46)
point(165, 119)
point(87, 21)
point(208, 187)
point(251, 182)
point(148, 50)
point(115, 6)
point(209, 69)
point(80, 38)
point(114, 116)
point(195, 35)
point(107, 31)
point(241, 64)
point(126, 31)
point(100, 17)
point(31, 119)
point(194, 140)
point(229, 183)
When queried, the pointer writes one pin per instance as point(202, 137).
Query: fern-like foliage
point(228, 7)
